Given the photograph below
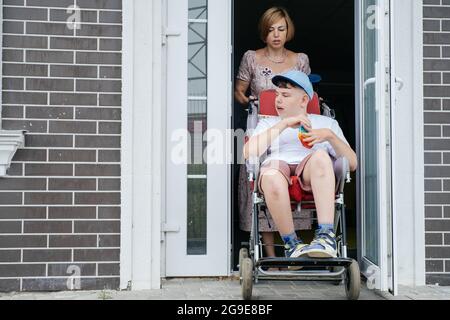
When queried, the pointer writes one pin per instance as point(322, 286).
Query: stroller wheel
point(353, 281)
point(247, 278)
point(243, 253)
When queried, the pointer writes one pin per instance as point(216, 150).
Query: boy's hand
point(317, 136)
point(296, 122)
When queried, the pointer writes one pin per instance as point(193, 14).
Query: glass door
point(198, 96)
point(374, 145)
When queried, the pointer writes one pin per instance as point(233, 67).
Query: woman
point(256, 72)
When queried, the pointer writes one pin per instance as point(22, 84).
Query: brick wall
point(437, 139)
point(60, 205)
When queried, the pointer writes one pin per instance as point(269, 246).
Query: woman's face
point(277, 34)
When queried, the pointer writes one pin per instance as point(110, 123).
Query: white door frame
point(376, 273)
point(408, 145)
point(140, 249)
point(216, 261)
point(408, 236)
point(142, 146)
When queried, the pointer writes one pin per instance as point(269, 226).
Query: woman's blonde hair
point(270, 17)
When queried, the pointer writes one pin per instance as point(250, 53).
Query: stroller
point(252, 264)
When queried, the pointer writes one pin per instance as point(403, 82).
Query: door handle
point(366, 84)
point(170, 228)
point(369, 81)
point(168, 32)
point(400, 83)
point(373, 81)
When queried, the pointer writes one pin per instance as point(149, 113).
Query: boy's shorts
point(288, 170)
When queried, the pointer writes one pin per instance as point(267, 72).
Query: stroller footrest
point(304, 262)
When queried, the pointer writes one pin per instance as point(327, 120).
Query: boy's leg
point(318, 174)
point(276, 193)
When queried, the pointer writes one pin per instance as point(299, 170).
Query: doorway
point(325, 31)
point(200, 65)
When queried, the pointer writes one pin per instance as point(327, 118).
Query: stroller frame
point(336, 270)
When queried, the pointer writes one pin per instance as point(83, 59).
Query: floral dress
point(260, 79)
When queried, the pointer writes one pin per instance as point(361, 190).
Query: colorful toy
point(301, 136)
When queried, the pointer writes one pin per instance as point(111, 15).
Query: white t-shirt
point(287, 147)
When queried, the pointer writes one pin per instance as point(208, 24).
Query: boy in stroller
point(308, 159)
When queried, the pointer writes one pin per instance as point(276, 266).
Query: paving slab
point(229, 289)
point(207, 289)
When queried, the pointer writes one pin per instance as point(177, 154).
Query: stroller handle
point(251, 104)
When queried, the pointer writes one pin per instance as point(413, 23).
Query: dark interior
point(325, 31)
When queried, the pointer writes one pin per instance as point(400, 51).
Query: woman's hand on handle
point(239, 92)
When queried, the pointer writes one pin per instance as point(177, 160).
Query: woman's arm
point(244, 78)
point(304, 63)
point(239, 92)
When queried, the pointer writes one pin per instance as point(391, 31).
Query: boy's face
point(291, 101)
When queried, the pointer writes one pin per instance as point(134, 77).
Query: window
point(197, 125)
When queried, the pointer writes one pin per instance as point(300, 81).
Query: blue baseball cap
point(298, 79)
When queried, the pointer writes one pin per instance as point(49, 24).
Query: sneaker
point(295, 252)
point(323, 246)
